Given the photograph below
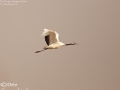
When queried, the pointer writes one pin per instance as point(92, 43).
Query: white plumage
point(52, 40)
point(53, 36)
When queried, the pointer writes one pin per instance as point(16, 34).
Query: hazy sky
point(94, 64)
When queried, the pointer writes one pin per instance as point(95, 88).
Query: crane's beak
point(76, 44)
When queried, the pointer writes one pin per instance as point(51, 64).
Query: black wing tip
point(47, 40)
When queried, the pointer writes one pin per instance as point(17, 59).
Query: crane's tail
point(40, 51)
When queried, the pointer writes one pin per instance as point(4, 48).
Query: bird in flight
point(52, 40)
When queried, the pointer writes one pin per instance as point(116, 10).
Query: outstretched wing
point(50, 36)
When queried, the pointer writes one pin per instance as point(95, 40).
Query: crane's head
point(74, 43)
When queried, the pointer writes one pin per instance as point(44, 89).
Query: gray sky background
point(94, 64)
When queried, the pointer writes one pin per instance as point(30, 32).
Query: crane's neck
point(69, 44)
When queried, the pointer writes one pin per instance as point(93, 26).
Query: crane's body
point(54, 46)
point(52, 40)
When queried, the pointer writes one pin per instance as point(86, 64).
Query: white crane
point(52, 40)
